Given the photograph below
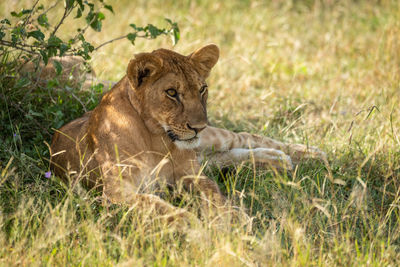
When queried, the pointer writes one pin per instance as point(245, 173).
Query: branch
point(30, 14)
point(66, 14)
point(20, 46)
point(11, 44)
point(116, 39)
point(110, 41)
point(50, 8)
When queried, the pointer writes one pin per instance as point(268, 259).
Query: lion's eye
point(203, 89)
point(172, 92)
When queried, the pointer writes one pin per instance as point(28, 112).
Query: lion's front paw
point(287, 162)
point(299, 152)
point(273, 157)
point(316, 153)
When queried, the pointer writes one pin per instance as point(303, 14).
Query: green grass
point(316, 72)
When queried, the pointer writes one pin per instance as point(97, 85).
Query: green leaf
point(69, 4)
point(174, 31)
point(96, 25)
point(5, 21)
point(71, 41)
point(132, 37)
point(17, 15)
point(43, 21)
point(110, 8)
point(26, 11)
point(57, 65)
point(154, 31)
point(54, 41)
point(63, 48)
point(14, 38)
point(81, 6)
point(45, 58)
point(100, 16)
point(78, 13)
point(91, 15)
point(21, 13)
point(138, 29)
point(38, 35)
point(175, 36)
point(16, 34)
point(81, 37)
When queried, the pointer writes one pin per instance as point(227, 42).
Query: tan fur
point(234, 148)
point(139, 137)
point(73, 72)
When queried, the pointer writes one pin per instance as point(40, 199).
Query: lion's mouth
point(174, 137)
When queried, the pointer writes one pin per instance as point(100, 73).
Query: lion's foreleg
point(221, 143)
point(261, 156)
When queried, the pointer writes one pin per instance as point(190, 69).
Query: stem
point(66, 14)
point(50, 8)
point(19, 46)
point(116, 39)
point(110, 41)
point(30, 14)
point(11, 44)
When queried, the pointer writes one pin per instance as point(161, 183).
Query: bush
point(31, 109)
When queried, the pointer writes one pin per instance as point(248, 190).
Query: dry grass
point(316, 72)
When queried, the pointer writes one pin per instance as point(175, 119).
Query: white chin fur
point(192, 144)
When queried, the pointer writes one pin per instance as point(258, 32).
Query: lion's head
point(170, 93)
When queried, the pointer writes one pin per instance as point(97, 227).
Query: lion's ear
point(141, 67)
point(206, 57)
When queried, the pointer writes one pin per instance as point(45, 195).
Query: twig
point(19, 46)
point(116, 39)
point(110, 41)
point(66, 14)
point(50, 8)
point(11, 44)
point(31, 13)
point(82, 32)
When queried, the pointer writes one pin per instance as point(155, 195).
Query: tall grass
point(325, 73)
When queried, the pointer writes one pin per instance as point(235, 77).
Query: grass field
point(324, 73)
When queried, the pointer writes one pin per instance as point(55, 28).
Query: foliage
point(34, 34)
point(29, 109)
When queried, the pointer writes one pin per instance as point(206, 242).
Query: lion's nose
point(197, 127)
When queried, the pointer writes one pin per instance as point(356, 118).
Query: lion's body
point(119, 137)
point(151, 128)
point(73, 72)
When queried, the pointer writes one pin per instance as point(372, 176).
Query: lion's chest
point(148, 168)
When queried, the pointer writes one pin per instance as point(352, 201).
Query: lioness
point(152, 126)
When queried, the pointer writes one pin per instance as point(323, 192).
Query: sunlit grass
point(316, 72)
